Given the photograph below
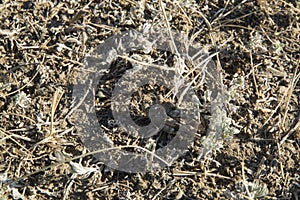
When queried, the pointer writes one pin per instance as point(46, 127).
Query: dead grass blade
point(11, 137)
point(190, 173)
point(289, 94)
point(290, 132)
point(25, 85)
point(56, 99)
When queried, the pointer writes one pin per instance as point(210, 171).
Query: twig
point(184, 13)
point(159, 192)
point(275, 110)
point(56, 99)
point(244, 179)
point(290, 92)
point(290, 5)
point(25, 85)
point(189, 173)
point(253, 75)
point(17, 136)
point(67, 191)
point(146, 64)
point(291, 131)
point(230, 11)
point(280, 161)
point(11, 137)
point(79, 103)
point(25, 117)
point(168, 26)
point(92, 153)
point(235, 26)
point(205, 19)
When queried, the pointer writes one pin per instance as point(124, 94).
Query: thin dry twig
point(11, 137)
point(291, 6)
point(289, 94)
point(92, 153)
point(168, 26)
point(253, 75)
point(290, 132)
point(190, 173)
point(25, 85)
point(23, 116)
point(244, 179)
point(184, 13)
point(56, 99)
point(80, 102)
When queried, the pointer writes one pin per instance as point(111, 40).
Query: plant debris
point(43, 46)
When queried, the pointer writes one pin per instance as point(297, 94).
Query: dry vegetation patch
point(43, 46)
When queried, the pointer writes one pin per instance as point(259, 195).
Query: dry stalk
point(11, 137)
point(23, 116)
point(184, 13)
point(25, 85)
point(80, 102)
point(290, 132)
point(244, 179)
point(230, 11)
point(92, 153)
point(146, 64)
point(168, 26)
point(289, 94)
point(56, 99)
point(189, 173)
point(253, 76)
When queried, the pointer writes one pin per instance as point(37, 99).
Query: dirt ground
point(43, 46)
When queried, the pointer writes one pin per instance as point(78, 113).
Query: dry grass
point(255, 45)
